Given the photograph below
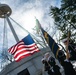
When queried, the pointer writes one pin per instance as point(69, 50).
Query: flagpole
point(68, 55)
point(12, 29)
point(39, 29)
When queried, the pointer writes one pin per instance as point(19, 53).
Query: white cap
point(46, 54)
point(42, 59)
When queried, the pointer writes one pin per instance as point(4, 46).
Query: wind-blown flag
point(38, 26)
point(52, 44)
point(24, 48)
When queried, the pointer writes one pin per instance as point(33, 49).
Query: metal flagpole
point(4, 10)
point(12, 29)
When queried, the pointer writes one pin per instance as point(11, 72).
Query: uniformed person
point(71, 49)
point(68, 67)
point(55, 67)
point(47, 66)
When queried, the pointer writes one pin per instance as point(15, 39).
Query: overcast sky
point(25, 11)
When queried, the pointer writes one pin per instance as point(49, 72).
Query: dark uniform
point(72, 50)
point(55, 67)
point(47, 67)
point(68, 67)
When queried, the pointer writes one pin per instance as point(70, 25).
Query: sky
point(24, 13)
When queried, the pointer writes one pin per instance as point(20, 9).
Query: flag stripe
point(21, 57)
point(13, 48)
point(24, 49)
point(31, 48)
point(27, 46)
point(24, 53)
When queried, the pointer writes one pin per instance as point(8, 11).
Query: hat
point(46, 54)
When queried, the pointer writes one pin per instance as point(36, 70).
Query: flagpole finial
point(5, 10)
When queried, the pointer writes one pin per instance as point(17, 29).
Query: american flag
point(24, 48)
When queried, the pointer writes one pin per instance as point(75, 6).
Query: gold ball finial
point(5, 10)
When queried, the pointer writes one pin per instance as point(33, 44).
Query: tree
point(65, 17)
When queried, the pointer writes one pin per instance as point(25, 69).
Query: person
point(66, 64)
point(71, 49)
point(46, 64)
point(55, 67)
